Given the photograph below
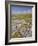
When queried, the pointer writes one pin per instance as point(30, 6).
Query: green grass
point(26, 17)
point(21, 16)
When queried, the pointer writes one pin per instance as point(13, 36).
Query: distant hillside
point(21, 16)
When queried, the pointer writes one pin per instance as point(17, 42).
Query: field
point(21, 25)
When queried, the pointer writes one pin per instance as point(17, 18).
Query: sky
point(21, 9)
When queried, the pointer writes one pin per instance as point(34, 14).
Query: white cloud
point(28, 11)
point(19, 12)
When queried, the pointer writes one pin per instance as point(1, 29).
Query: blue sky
point(19, 9)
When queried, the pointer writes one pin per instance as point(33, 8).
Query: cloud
point(19, 12)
